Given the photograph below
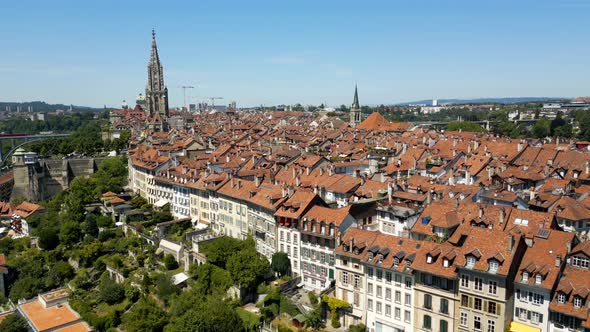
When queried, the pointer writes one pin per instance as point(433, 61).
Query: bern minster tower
point(156, 93)
point(355, 110)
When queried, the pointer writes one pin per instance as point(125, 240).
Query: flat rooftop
point(47, 318)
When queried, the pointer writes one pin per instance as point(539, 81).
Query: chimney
point(480, 212)
point(298, 181)
point(510, 242)
point(519, 146)
point(502, 215)
point(531, 195)
point(568, 246)
point(454, 142)
point(291, 191)
point(390, 192)
point(284, 191)
point(256, 181)
point(321, 171)
point(558, 261)
point(587, 166)
point(294, 172)
point(429, 196)
point(451, 178)
point(475, 145)
point(331, 169)
point(469, 148)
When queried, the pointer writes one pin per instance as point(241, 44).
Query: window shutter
point(484, 306)
point(470, 302)
point(498, 310)
point(528, 315)
point(540, 318)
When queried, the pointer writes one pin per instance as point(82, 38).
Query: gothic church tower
point(355, 110)
point(156, 93)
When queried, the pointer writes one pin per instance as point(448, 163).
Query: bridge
point(13, 138)
point(486, 124)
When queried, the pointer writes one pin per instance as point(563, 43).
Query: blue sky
point(270, 52)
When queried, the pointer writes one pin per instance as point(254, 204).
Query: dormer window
point(428, 259)
point(380, 258)
point(445, 263)
point(470, 261)
point(370, 255)
point(494, 266)
point(525, 276)
point(408, 263)
point(577, 301)
point(560, 297)
point(356, 251)
point(395, 261)
point(580, 261)
point(538, 279)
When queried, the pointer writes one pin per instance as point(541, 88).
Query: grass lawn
point(249, 318)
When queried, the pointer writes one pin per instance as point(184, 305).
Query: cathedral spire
point(154, 58)
point(355, 102)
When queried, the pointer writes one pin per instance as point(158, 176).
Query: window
point(408, 282)
point(561, 298)
point(427, 323)
point(388, 276)
point(408, 300)
point(492, 308)
point(580, 261)
point(398, 313)
point(492, 287)
point(388, 310)
point(356, 299)
point(494, 266)
point(464, 280)
point(378, 307)
point(538, 279)
point(477, 304)
point(370, 305)
point(444, 306)
point(379, 274)
point(477, 323)
point(444, 326)
point(463, 320)
point(478, 283)
point(427, 301)
point(536, 317)
point(357, 280)
point(398, 297)
point(344, 277)
point(388, 294)
point(577, 302)
point(369, 288)
point(525, 277)
point(370, 272)
point(407, 316)
point(398, 279)
point(470, 261)
point(379, 291)
point(491, 325)
point(464, 301)
point(538, 299)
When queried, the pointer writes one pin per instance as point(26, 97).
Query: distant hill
point(41, 106)
point(511, 100)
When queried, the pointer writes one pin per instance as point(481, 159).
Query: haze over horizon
point(269, 53)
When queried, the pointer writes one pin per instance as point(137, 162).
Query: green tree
point(170, 262)
point(210, 279)
point(357, 328)
point(70, 233)
point(247, 268)
point(14, 323)
point(110, 291)
point(48, 237)
point(464, 126)
point(215, 316)
point(280, 263)
point(165, 289)
point(556, 123)
point(145, 316)
point(314, 318)
point(542, 128)
point(58, 274)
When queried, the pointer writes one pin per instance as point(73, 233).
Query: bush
point(111, 292)
point(170, 262)
point(357, 328)
point(335, 320)
point(313, 298)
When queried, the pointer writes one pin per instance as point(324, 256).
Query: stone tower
point(28, 176)
point(156, 93)
point(355, 110)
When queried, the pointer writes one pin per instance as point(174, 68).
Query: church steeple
point(355, 109)
point(156, 93)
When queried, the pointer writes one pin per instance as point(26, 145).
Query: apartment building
point(320, 230)
point(436, 288)
point(569, 309)
point(350, 273)
point(288, 217)
point(390, 283)
point(233, 208)
point(537, 277)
